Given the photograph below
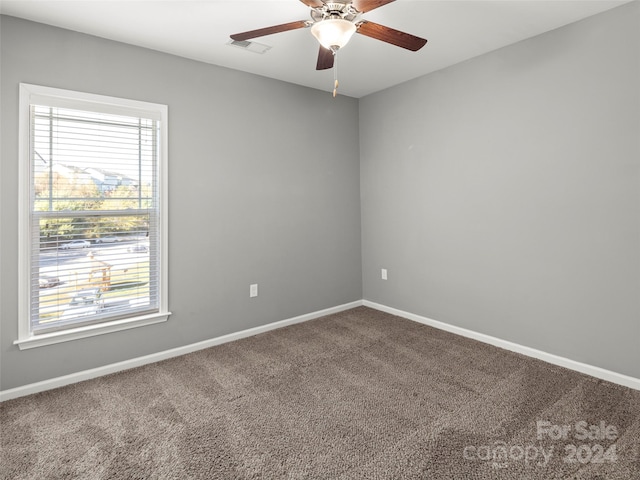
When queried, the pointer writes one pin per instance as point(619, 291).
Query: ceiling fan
point(333, 23)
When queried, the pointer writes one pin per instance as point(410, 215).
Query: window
point(93, 214)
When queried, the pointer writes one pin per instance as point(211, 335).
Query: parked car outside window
point(138, 247)
point(47, 281)
point(108, 239)
point(83, 303)
point(75, 244)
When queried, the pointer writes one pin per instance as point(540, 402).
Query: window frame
point(36, 94)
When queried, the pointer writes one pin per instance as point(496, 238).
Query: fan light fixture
point(333, 33)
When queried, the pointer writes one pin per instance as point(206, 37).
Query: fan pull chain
point(335, 74)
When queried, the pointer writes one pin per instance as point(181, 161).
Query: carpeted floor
point(356, 395)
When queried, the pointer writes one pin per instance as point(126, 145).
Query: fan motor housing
point(343, 10)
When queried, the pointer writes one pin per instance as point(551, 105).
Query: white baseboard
point(597, 372)
point(44, 385)
point(156, 357)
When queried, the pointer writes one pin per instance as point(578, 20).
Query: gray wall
point(503, 194)
point(255, 196)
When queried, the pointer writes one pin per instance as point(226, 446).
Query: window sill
point(90, 330)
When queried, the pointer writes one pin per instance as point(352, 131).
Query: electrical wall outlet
point(383, 273)
point(253, 290)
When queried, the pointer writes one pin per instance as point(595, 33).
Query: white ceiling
point(199, 29)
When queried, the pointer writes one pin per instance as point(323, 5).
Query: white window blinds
point(94, 214)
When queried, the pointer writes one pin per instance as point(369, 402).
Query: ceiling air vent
point(249, 46)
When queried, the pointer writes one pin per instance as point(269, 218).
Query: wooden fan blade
point(312, 3)
point(389, 35)
point(261, 32)
point(325, 59)
point(368, 5)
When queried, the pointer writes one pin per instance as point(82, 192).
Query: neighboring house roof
point(105, 180)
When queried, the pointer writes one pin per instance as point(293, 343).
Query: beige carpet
point(359, 394)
